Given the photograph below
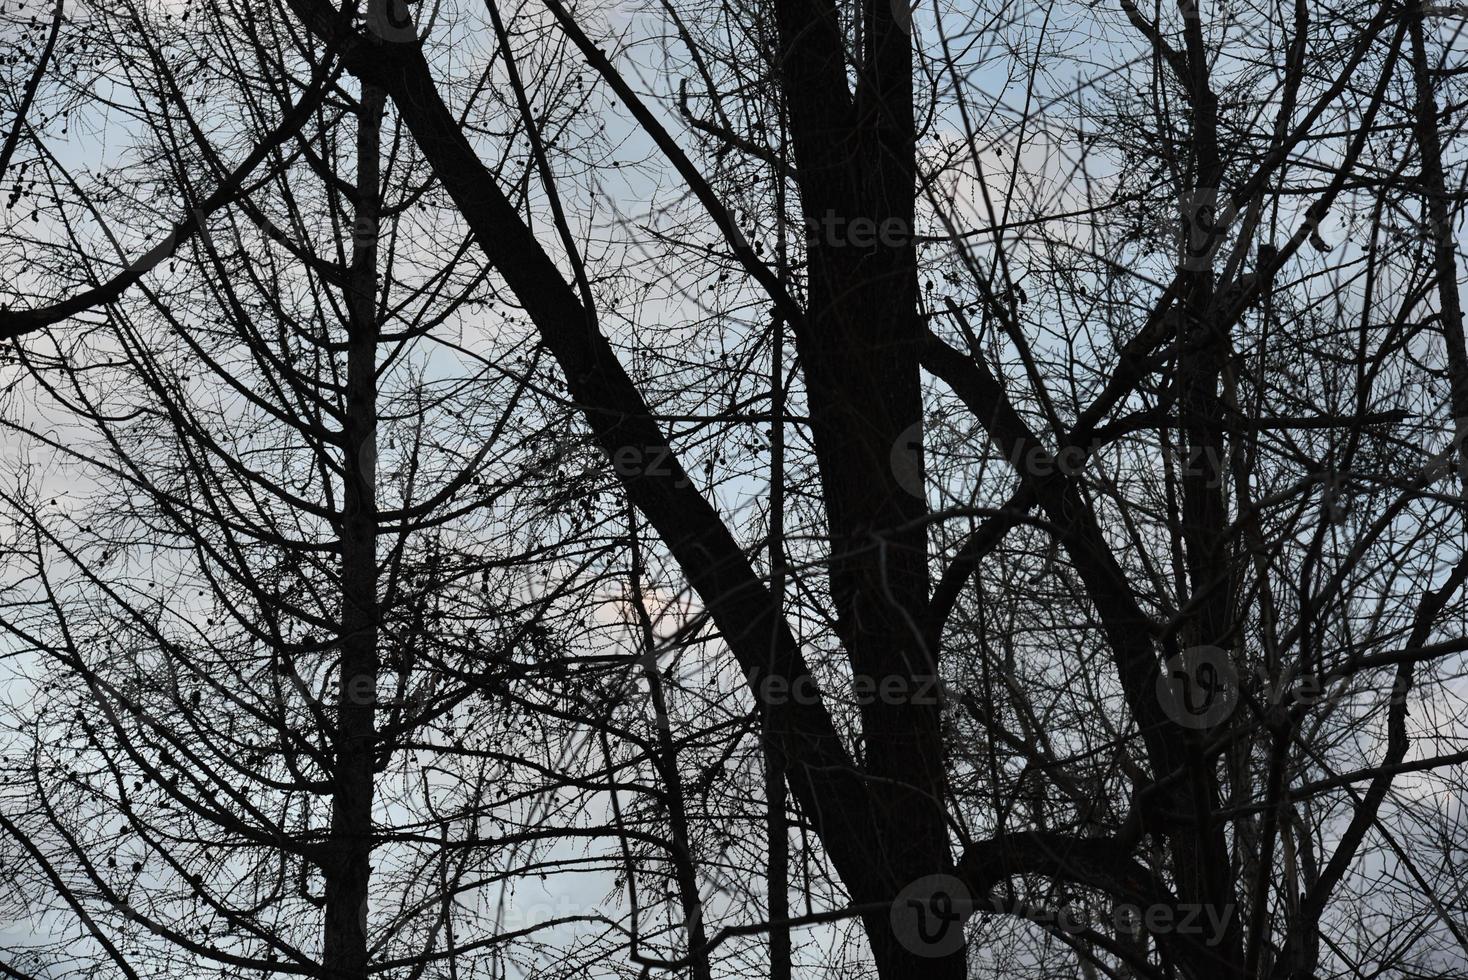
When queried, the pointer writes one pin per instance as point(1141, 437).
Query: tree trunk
point(347, 866)
point(895, 961)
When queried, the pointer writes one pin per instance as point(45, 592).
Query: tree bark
point(347, 867)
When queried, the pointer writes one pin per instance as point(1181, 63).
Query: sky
point(1045, 164)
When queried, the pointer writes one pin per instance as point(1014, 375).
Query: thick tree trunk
point(880, 818)
point(859, 348)
point(896, 962)
point(347, 868)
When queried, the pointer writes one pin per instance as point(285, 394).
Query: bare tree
point(272, 661)
point(1108, 569)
